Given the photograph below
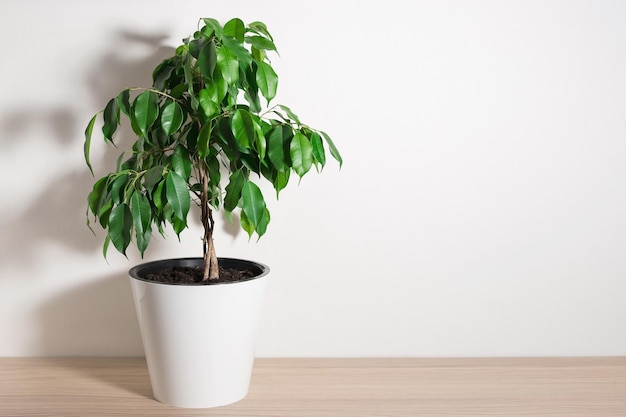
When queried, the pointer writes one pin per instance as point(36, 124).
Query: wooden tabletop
point(567, 387)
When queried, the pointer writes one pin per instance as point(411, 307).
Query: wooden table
point(567, 387)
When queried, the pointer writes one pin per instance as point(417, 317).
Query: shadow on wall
point(58, 213)
point(97, 318)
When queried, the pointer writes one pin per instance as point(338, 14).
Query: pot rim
point(135, 271)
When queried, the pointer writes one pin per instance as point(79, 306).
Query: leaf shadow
point(57, 214)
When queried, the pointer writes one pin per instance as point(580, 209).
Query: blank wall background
point(480, 210)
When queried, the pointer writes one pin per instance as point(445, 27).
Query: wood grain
point(567, 387)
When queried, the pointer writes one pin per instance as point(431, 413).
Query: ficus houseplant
point(205, 133)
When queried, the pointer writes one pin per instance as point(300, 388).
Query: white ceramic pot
point(199, 339)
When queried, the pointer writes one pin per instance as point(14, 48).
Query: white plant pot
point(199, 339)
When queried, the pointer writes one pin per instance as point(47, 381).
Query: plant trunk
point(211, 268)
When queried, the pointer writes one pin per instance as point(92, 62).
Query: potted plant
point(205, 133)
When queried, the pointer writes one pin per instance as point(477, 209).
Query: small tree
point(202, 117)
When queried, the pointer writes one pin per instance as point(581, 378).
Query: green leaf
point(262, 226)
point(158, 196)
point(319, 154)
point(177, 194)
point(120, 227)
point(118, 186)
point(152, 177)
point(243, 129)
point(87, 145)
point(259, 138)
point(171, 118)
point(140, 209)
point(267, 80)
point(145, 111)
point(123, 102)
point(253, 204)
point(161, 74)
point(105, 246)
point(281, 181)
point(290, 114)
point(207, 60)
point(209, 102)
point(233, 190)
point(95, 197)
point(238, 50)
point(333, 149)
point(229, 65)
point(188, 73)
point(260, 27)
point(204, 140)
point(178, 225)
point(246, 224)
point(260, 42)
point(235, 28)
point(111, 119)
point(301, 153)
point(276, 148)
point(181, 162)
point(214, 25)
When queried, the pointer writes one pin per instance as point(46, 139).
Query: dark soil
point(193, 276)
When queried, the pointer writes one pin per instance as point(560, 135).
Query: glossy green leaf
point(290, 114)
point(246, 224)
point(233, 190)
point(276, 148)
point(242, 54)
point(204, 140)
point(120, 227)
point(105, 246)
point(161, 74)
point(87, 144)
point(235, 28)
point(177, 194)
point(158, 196)
point(281, 181)
point(123, 102)
point(333, 149)
point(208, 102)
point(152, 177)
point(229, 65)
point(96, 195)
point(263, 223)
point(253, 204)
point(260, 42)
point(301, 153)
point(171, 118)
point(181, 162)
point(319, 154)
point(145, 111)
point(118, 187)
point(242, 128)
point(261, 28)
point(142, 217)
point(178, 225)
point(207, 60)
point(111, 119)
point(104, 211)
point(215, 26)
point(188, 74)
point(260, 143)
point(267, 80)
point(143, 240)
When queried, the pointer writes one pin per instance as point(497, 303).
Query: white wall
point(480, 210)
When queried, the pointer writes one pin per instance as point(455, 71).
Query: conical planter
point(199, 339)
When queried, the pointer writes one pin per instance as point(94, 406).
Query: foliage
point(203, 134)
